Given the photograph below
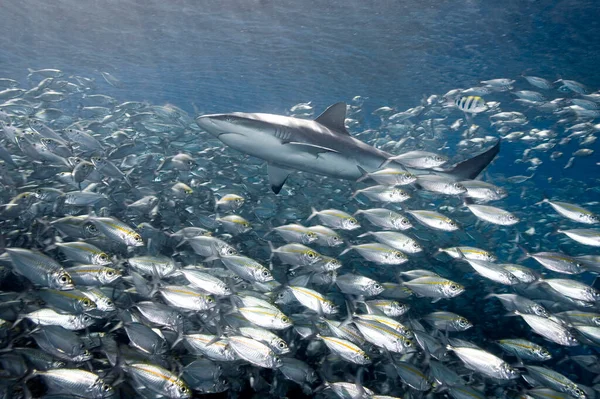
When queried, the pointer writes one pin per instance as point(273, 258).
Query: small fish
point(484, 362)
point(555, 380)
point(234, 224)
point(493, 272)
point(434, 220)
point(378, 253)
point(525, 350)
point(279, 346)
point(39, 269)
point(93, 275)
point(386, 218)
point(471, 104)
point(186, 298)
point(353, 284)
point(335, 219)
point(158, 266)
point(346, 350)
point(297, 233)
point(435, 287)
point(383, 336)
point(49, 317)
point(418, 160)
point(447, 321)
point(387, 194)
point(538, 82)
point(247, 268)
point(63, 381)
point(396, 240)
point(255, 352)
point(296, 254)
point(117, 230)
point(573, 212)
point(390, 177)
point(268, 318)
point(513, 302)
point(584, 236)
point(557, 262)
point(158, 380)
point(206, 282)
point(440, 184)
point(313, 300)
point(84, 253)
point(493, 214)
point(483, 191)
point(470, 253)
point(230, 202)
point(549, 329)
point(573, 289)
point(325, 236)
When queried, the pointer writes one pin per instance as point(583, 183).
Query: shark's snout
point(206, 122)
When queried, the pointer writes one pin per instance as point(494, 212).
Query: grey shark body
point(322, 146)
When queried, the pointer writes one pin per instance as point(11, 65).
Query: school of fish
point(139, 257)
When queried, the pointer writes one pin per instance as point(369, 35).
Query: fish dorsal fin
point(334, 117)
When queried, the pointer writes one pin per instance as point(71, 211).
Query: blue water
point(268, 55)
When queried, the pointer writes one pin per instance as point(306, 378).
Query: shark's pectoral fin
point(277, 177)
point(311, 148)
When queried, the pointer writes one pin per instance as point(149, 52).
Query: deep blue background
point(267, 55)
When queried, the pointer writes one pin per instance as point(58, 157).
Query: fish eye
point(398, 255)
point(86, 318)
point(377, 286)
point(103, 257)
point(285, 319)
point(265, 273)
point(246, 224)
point(64, 279)
point(210, 300)
point(463, 322)
point(281, 345)
point(335, 238)
point(404, 221)
point(454, 287)
point(182, 389)
point(106, 387)
point(190, 163)
point(408, 344)
point(364, 356)
point(137, 238)
point(239, 200)
point(310, 254)
point(87, 302)
point(109, 302)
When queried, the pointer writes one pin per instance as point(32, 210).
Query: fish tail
point(313, 214)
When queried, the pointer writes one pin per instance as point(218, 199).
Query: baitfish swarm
point(141, 258)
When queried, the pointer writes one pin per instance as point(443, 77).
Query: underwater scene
point(320, 199)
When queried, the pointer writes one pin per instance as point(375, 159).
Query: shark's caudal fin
point(472, 167)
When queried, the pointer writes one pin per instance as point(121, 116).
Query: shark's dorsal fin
point(334, 117)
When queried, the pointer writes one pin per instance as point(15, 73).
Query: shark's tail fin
point(472, 167)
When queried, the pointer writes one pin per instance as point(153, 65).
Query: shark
point(321, 146)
